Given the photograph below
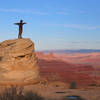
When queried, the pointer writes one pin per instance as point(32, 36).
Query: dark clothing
point(20, 28)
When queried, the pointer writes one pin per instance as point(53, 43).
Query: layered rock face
point(18, 62)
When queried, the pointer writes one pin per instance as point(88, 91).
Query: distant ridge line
point(73, 51)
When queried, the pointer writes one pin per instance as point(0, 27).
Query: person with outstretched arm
point(20, 24)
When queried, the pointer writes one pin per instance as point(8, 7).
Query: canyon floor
point(81, 68)
point(84, 69)
point(50, 92)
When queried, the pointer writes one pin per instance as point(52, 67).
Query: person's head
point(21, 21)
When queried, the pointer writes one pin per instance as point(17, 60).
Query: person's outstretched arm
point(16, 23)
point(24, 23)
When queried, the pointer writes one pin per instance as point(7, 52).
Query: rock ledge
point(18, 62)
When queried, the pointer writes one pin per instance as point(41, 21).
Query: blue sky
point(53, 24)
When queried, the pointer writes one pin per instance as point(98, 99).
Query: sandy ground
point(51, 92)
point(58, 93)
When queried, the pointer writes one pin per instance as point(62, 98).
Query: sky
point(53, 24)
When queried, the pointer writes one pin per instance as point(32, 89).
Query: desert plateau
point(49, 49)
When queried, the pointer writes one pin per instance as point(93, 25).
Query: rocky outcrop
point(18, 63)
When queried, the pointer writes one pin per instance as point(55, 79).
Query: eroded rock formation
point(18, 63)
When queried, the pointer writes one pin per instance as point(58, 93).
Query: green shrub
point(73, 85)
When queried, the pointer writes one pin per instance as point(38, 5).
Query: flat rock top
point(16, 47)
point(16, 42)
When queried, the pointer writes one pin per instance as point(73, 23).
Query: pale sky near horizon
point(53, 24)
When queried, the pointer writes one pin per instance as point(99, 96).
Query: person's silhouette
point(20, 28)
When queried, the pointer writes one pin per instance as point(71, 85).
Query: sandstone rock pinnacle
point(18, 63)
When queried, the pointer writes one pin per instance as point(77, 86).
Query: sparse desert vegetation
point(73, 85)
point(17, 93)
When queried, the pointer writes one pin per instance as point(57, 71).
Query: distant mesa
point(18, 62)
point(42, 55)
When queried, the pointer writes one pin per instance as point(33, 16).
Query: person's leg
point(19, 37)
point(20, 34)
